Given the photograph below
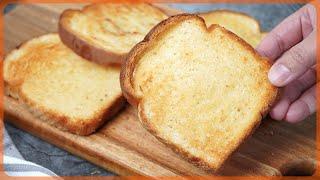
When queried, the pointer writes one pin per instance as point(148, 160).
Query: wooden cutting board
point(123, 146)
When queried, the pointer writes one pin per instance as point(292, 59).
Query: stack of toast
point(192, 77)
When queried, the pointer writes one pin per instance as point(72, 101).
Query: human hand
point(291, 46)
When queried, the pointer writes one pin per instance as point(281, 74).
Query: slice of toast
point(105, 32)
point(239, 23)
point(200, 91)
point(60, 87)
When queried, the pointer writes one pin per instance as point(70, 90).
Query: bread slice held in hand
point(241, 24)
point(60, 87)
point(105, 32)
point(200, 91)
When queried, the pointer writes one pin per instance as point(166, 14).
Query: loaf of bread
point(241, 24)
point(105, 32)
point(60, 87)
point(200, 91)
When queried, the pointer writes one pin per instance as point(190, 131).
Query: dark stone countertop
point(65, 164)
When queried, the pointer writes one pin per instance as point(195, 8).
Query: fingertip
point(297, 112)
point(274, 116)
point(278, 112)
point(279, 75)
point(265, 47)
point(260, 50)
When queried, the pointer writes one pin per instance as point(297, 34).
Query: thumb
point(295, 62)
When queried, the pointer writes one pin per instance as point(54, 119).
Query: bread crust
point(85, 127)
point(257, 30)
point(84, 48)
point(126, 80)
point(127, 69)
point(231, 12)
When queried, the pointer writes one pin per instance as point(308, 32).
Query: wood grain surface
point(123, 146)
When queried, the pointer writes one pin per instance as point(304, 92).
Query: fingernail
point(279, 74)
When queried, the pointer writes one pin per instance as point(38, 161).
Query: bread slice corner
point(202, 91)
point(104, 33)
point(61, 88)
point(239, 23)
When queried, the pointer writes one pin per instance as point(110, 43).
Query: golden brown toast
point(200, 91)
point(61, 87)
point(241, 24)
point(105, 32)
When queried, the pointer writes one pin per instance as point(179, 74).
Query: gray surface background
point(64, 163)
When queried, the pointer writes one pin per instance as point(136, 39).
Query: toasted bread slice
point(201, 91)
point(60, 87)
point(105, 33)
point(241, 24)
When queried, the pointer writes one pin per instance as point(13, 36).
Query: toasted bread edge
point(84, 48)
point(55, 119)
point(83, 128)
point(128, 67)
point(245, 15)
point(128, 91)
point(232, 12)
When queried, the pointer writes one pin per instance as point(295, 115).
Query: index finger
point(288, 33)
